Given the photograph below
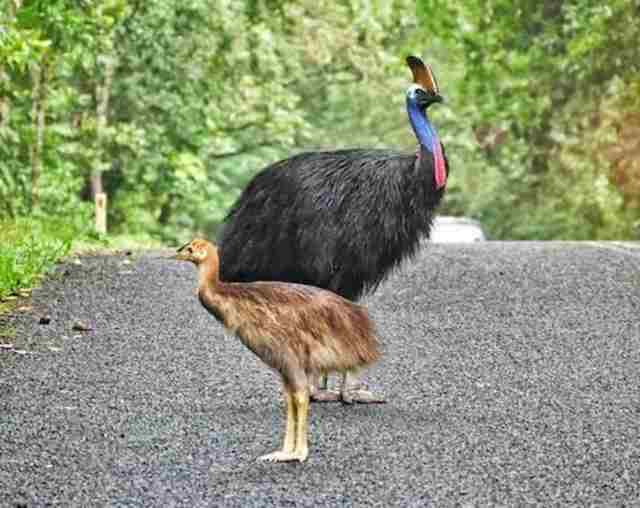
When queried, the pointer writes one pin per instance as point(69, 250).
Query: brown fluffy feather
point(295, 329)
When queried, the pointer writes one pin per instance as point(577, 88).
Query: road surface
point(512, 372)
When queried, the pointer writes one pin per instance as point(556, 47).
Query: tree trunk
point(5, 81)
point(5, 105)
point(40, 74)
point(103, 93)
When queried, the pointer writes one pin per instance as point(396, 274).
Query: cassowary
point(299, 331)
point(340, 220)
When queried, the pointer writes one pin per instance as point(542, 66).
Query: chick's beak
point(181, 254)
point(178, 256)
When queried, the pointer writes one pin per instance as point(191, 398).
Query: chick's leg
point(290, 435)
point(301, 401)
point(297, 408)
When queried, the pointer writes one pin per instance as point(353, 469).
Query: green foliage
point(536, 84)
point(230, 87)
point(175, 105)
point(28, 249)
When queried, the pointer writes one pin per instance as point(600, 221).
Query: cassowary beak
point(426, 100)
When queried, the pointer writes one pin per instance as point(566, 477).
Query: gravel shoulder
point(511, 371)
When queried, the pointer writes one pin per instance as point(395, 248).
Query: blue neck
point(422, 127)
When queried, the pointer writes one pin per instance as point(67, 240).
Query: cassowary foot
point(280, 456)
point(361, 396)
point(325, 396)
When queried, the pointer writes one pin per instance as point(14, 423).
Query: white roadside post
point(101, 213)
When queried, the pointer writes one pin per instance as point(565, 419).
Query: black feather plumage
point(339, 220)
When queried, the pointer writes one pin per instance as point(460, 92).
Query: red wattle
point(440, 172)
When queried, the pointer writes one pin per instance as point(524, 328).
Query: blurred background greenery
point(171, 107)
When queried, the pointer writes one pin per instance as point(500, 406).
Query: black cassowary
point(340, 220)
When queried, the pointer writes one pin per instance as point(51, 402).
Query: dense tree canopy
point(549, 90)
point(170, 107)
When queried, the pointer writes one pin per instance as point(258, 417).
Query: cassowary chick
point(299, 331)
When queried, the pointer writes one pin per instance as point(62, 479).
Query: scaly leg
point(353, 390)
point(290, 435)
point(289, 445)
point(301, 401)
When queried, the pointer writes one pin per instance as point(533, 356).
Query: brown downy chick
point(299, 331)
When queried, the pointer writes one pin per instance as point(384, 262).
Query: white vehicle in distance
point(456, 230)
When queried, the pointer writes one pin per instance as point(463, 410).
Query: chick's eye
point(189, 250)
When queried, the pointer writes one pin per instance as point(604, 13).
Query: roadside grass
point(117, 243)
point(30, 248)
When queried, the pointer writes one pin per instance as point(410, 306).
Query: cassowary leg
point(289, 445)
point(353, 390)
point(301, 403)
point(320, 389)
point(295, 446)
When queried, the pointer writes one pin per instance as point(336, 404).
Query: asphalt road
point(512, 370)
